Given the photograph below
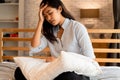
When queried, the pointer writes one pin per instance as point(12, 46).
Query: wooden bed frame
point(100, 45)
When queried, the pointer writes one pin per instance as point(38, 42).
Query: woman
point(60, 33)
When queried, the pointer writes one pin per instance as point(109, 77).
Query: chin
point(54, 24)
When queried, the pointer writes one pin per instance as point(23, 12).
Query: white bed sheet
point(109, 73)
point(7, 70)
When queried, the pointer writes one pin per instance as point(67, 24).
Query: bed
point(109, 72)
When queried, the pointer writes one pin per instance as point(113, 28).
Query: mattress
point(109, 73)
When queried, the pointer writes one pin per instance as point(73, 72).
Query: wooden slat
point(108, 60)
point(42, 57)
point(89, 30)
point(103, 50)
point(8, 57)
point(1, 45)
point(16, 39)
point(15, 48)
point(17, 30)
point(105, 40)
point(11, 57)
point(103, 30)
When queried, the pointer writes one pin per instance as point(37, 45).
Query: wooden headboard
point(100, 45)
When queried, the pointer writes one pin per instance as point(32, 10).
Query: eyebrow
point(47, 12)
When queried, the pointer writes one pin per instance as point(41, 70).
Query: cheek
point(57, 18)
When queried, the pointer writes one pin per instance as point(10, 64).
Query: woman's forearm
point(36, 37)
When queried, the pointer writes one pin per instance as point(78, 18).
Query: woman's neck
point(62, 21)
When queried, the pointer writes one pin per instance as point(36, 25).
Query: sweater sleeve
point(84, 41)
point(43, 45)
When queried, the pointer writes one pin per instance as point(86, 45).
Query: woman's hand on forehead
point(42, 7)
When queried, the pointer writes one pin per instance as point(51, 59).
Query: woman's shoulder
point(77, 25)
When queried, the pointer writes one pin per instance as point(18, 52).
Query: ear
point(60, 9)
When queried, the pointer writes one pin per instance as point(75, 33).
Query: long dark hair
point(47, 27)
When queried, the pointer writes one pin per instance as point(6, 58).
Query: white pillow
point(80, 64)
point(35, 69)
point(29, 66)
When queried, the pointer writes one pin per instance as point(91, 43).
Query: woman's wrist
point(49, 59)
point(40, 24)
point(40, 21)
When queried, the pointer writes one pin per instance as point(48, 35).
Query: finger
point(43, 7)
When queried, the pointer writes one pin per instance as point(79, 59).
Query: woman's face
point(52, 15)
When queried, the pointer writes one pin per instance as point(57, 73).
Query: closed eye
point(50, 13)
